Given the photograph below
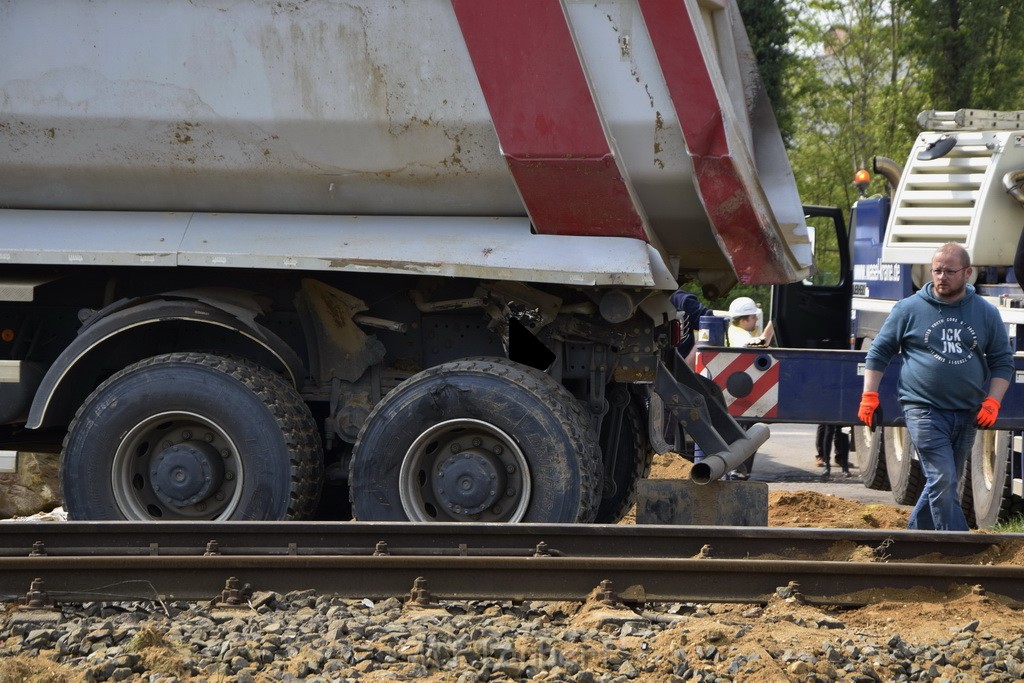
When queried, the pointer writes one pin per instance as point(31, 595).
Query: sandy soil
point(788, 625)
point(797, 508)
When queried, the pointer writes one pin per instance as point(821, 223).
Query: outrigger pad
point(717, 503)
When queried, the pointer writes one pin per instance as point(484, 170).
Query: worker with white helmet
point(743, 321)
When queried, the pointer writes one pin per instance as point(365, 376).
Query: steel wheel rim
point(865, 433)
point(445, 475)
point(146, 446)
point(988, 458)
point(901, 440)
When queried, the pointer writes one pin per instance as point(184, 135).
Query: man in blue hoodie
point(952, 342)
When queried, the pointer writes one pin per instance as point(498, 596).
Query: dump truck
point(962, 182)
point(258, 254)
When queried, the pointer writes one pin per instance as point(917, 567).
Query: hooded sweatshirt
point(949, 349)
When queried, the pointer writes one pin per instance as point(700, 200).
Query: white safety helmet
point(742, 306)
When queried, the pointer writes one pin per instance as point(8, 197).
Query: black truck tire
point(871, 457)
point(632, 463)
point(191, 436)
point(991, 486)
point(965, 492)
point(906, 478)
point(477, 441)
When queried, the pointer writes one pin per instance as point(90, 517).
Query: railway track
point(109, 561)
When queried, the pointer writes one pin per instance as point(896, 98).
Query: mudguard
point(234, 311)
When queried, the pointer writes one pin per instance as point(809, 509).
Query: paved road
point(786, 462)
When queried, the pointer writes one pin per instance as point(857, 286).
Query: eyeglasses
point(939, 272)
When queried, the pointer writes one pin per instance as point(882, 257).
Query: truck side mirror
point(937, 149)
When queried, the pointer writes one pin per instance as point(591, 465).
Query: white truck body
point(358, 109)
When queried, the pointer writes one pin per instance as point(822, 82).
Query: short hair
point(952, 248)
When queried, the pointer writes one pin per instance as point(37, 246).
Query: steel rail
point(355, 538)
point(504, 578)
point(117, 560)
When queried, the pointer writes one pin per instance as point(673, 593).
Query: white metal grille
point(959, 198)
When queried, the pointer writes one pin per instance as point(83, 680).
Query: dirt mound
point(811, 509)
point(670, 466)
point(796, 508)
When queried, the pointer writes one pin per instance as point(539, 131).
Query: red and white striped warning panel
point(750, 381)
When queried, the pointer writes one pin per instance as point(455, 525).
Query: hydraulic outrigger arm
point(695, 404)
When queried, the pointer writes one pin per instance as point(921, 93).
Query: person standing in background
point(825, 436)
point(952, 342)
point(743, 320)
point(692, 309)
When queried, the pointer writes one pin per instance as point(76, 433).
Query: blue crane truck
point(961, 183)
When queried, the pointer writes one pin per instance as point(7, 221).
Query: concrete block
point(8, 462)
point(718, 503)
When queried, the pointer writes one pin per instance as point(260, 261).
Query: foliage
point(863, 69)
point(1014, 525)
point(855, 93)
point(849, 83)
point(760, 294)
point(971, 50)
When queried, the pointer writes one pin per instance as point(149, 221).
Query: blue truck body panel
point(816, 386)
point(872, 278)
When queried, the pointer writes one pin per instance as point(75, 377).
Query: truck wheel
point(964, 491)
point(189, 436)
point(632, 456)
point(991, 486)
point(903, 467)
point(477, 441)
point(871, 457)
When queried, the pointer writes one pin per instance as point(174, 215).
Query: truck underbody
point(179, 393)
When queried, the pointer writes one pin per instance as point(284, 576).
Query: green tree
point(855, 93)
point(863, 69)
point(972, 51)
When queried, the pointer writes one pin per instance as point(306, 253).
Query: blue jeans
point(943, 439)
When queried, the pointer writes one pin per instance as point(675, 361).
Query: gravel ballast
point(304, 637)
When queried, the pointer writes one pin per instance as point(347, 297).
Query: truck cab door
point(815, 313)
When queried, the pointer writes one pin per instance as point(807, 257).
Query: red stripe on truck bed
point(732, 202)
point(545, 117)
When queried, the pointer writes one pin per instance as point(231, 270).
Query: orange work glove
point(868, 406)
point(988, 412)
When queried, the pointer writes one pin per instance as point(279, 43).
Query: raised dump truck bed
point(643, 120)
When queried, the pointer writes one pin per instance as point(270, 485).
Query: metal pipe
point(715, 465)
point(890, 170)
point(1012, 181)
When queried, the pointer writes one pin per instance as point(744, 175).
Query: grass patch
point(22, 669)
point(159, 653)
point(1014, 525)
